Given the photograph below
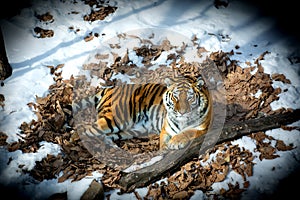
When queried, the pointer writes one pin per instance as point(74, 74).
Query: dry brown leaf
point(281, 146)
point(280, 77)
point(290, 128)
point(181, 195)
point(88, 38)
point(43, 33)
point(220, 177)
point(13, 146)
point(3, 138)
point(46, 17)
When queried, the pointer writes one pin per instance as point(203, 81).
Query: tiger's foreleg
point(180, 140)
point(164, 138)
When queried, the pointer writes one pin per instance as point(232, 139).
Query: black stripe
point(122, 109)
point(125, 92)
point(103, 92)
point(148, 89)
point(123, 95)
point(155, 116)
point(151, 115)
point(154, 95)
point(108, 121)
point(169, 99)
point(145, 113)
point(117, 116)
point(96, 99)
point(161, 101)
point(163, 90)
point(140, 102)
point(176, 125)
point(156, 111)
point(204, 110)
point(154, 89)
point(119, 135)
point(117, 102)
point(132, 103)
point(138, 90)
point(130, 109)
point(104, 101)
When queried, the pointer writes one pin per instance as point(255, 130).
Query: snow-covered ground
point(242, 24)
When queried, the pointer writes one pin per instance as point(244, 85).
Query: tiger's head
point(187, 100)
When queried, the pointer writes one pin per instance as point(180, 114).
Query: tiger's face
point(186, 100)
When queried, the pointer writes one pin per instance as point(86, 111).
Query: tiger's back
point(130, 110)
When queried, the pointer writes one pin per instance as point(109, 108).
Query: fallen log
point(171, 162)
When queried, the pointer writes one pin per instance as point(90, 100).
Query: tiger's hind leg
point(105, 131)
point(103, 148)
point(92, 132)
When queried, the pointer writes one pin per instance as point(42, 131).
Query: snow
point(240, 23)
point(149, 163)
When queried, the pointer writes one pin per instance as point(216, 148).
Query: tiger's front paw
point(178, 142)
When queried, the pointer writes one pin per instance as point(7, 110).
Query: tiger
point(179, 110)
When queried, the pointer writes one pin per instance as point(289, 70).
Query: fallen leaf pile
point(140, 145)
point(264, 146)
point(55, 123)
point(243, 84)
point(196, 176)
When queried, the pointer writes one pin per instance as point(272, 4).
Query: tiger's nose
point(183, 107)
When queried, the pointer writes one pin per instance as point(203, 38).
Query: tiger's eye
point(190, 94)
point(175, 94)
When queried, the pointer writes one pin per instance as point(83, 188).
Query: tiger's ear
point(200, 82)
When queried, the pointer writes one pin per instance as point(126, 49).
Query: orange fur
point(166, 108)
